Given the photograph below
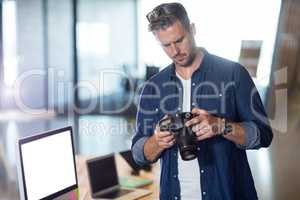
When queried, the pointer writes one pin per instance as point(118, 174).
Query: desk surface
point(123, 170)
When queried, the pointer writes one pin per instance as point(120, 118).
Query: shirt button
point(220, 94)
point(193, 84)
point(204, 193)
point(193, 103)
point(175, 154)
point(175, 197)
point(174, 176)
point(198, 148)
point(178, 108)
point(202, 171)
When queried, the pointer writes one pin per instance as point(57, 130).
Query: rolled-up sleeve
point(251, 112)
point(138, 151)
point(252, 136)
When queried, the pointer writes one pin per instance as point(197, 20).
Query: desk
point(123, 169)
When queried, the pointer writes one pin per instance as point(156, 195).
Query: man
point(229, 116)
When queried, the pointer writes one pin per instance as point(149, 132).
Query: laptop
point(46, 166)
point(104, 181)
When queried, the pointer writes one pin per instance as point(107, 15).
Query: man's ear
point(193, 28)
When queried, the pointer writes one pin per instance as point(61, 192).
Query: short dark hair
point(166, 14)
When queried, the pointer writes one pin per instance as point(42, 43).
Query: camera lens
point(188, 153)
point(184, 136)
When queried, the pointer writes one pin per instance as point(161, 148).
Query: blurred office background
point(82, 63)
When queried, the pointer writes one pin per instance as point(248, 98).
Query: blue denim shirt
point(225, 89)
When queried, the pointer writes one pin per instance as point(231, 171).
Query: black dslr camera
point(184, 136)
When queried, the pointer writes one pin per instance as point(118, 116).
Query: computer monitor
point(47, 165)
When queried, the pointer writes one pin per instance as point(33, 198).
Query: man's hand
point(164, 139)
point(204, 124)
point(158, 142)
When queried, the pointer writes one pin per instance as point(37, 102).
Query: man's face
point(178, 44)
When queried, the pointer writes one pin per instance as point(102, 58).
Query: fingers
point(164, 139)
point(196, 120)
point(165, 116)
point(202, 126)
point(199, 111)
point(165, 144)
point(205, 136)
point(203, 131)
point(201, 115)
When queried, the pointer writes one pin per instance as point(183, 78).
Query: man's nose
point(174, 50)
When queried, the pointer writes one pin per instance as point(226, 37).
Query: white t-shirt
point(188, 171)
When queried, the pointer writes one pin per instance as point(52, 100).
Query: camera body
point(184, 136)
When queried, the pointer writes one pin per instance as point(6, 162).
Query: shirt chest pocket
point(218, 103)
point(156, 112)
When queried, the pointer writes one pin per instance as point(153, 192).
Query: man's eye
point(166, 45)
point(179, 41)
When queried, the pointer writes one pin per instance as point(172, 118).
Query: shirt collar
point(203, 66)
